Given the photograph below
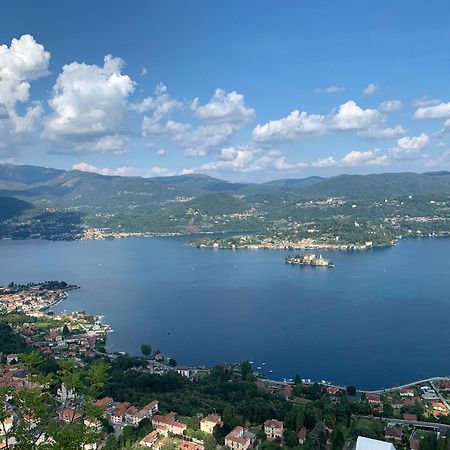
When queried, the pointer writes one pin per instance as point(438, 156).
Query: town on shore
point(150, 401)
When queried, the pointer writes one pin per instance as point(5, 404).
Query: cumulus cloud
point(224, 107)
point(410, 147)
point(124, 171)
point(354, 158)
point(349, 117)
point(89, 106)
point(161, 104)
point(20, 63)
point(439, 111)
point(325, 162)
point(330, 90)
point(383, 133)
point(370, 89)
point(390, 106)
point(248, 159)
point(357, 158)
point(220, 119)
point(160, 152)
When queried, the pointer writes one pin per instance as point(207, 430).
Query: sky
point(242, 90)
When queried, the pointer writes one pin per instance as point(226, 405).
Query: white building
point(364, 443)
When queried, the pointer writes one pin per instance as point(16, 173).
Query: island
point(309, 260)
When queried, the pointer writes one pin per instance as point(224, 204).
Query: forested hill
point(63, 203)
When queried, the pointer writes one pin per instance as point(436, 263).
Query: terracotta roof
point(274, 423)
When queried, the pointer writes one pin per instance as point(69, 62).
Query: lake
point(378, 318)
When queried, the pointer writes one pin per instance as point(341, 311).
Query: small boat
point(270, 371)
point(259, 367)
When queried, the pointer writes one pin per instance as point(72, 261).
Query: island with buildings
point(309, 260)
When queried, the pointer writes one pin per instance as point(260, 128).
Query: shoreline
point(110, 354)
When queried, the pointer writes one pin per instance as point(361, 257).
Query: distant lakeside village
point(404, 417)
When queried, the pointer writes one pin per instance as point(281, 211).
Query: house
point(104, 402)
point(363, 443)
point(187, 445)
point(153, 440)
point(414, 443)
point(69, 415)
point(302, 435)
point(210, 422)
point(333, 390)
point(407, 393)
point(273, 429)
point(183, 371)
point(237, 439)
point(439, 409)
point(393, 433)
point(118, 414)
point(373, 399)
point(168, 424)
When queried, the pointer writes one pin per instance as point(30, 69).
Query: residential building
point(168, 424)
point(237, 439)
point(273, 429)
point(210, 422)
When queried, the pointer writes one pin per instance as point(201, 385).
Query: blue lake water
point(378, 318)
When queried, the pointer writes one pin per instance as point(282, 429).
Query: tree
point(297, 379)
point(146, 350)
point(65, 330)
point(290, 438)
point(351, 390)
point(210, 442)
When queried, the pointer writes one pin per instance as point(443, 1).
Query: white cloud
point(349, 117)
point(160, 152)
point(119, 171)
point(224, 107)
point(161, 104)
point(370, 89)
point(144, 71)
point(325, 162)
point(125, 171)
point(159, 172)
point(439, 111)
point(247, 159)
point(383, 133)
point(330, 89)
point(424, 101)
point(410, 147)
point(22, 62)
point(352, 117)
point(390, 106)
point(89, 106)
point(358, 158)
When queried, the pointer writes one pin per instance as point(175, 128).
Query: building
point(373, 399)
point(210, 422)
point(168, 424)
point(183, 371)
point(393, 433)
point(364, 443)
point(118, 413)
point(69, 415)
point(187, 445)
point(302, 436)
point(273, 429)
point(238, 439)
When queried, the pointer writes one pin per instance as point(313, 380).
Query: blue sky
point(252, 90)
